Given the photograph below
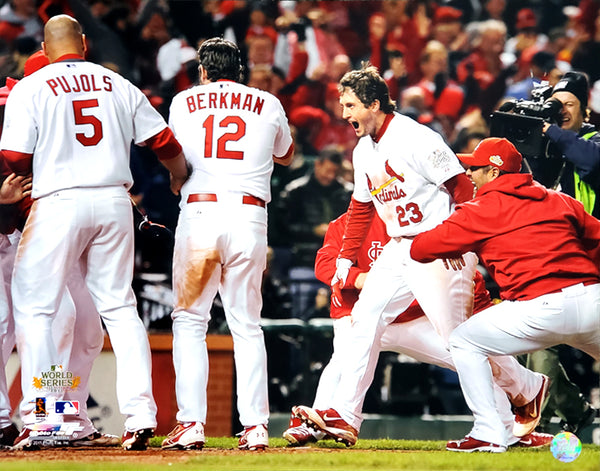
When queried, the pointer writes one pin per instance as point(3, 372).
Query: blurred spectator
point(448, 29)
point(585, 55)
point(527, 34)
point(396, 76)
point(325, 128)
point(535, 66)
point(443, 97)
point(18, 19)
point(308, 203)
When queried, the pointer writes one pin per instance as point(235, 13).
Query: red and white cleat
point(535, 440)
point(528, 417)
point(329, 422)
point(253, 438)
point(185, 436)
point(470, 444)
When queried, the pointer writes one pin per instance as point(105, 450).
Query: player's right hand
point(339, 280)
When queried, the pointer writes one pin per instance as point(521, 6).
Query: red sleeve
point(357, 226)
point(164, 144)
point(481, 296)
point(297, 66)
point(457, 235)
point(328, 253)
point(18, 162)
point(460, 187)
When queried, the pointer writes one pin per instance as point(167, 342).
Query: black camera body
point(521, 122)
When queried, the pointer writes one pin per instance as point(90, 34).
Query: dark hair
point(332, 154)
point(368, 86)
point(221, 59)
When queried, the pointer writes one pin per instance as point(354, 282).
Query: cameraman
point(578, 142)
point(578, 175)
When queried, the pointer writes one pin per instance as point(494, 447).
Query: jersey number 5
point(80, 118)
point(238, 132)
point(415, 214)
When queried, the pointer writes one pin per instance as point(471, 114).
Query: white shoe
point(254, 438)
point(185, 436)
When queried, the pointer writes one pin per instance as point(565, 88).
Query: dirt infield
point(150, 456)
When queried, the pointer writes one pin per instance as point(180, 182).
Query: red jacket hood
point(520, 185)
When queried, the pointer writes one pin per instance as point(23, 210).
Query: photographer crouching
point(577, 141)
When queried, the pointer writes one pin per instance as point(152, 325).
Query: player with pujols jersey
point(405, 172)
point(72, 124)
point(231, 135)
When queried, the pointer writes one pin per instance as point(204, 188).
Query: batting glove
point(339, 280)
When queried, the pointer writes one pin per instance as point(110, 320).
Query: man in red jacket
point(411, 334)
point(541, 248)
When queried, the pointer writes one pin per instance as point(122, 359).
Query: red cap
point(526, 18)
point(496, 151)
point(446, 15)
point(4, 91)
point(332, 92)
point(35, 62)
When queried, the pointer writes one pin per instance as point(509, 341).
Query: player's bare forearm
point(179, 170)
point(14, 188)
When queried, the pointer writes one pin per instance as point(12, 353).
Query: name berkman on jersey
point(79, 83)
point(225, 100)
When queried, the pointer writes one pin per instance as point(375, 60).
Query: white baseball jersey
point(404, 181)
point(229, 133)
point(83, 99)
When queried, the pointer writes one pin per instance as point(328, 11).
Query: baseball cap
point(35, 62)
point(496, 151)
point(445, 14)
point(526, 19)
point(576, 83)
point(5, 91)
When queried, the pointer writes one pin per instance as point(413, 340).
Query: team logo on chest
point(388, 191)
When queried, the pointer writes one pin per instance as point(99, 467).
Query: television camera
point(521, 122)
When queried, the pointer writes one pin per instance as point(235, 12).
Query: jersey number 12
point(238, 132)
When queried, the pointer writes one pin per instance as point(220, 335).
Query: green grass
point(367, 455)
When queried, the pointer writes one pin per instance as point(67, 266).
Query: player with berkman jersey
point(405, 172)
point(72, 123)
point(231, 135)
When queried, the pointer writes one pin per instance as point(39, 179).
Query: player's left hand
point(456, 263)
point(15, 188)
point(339, 280)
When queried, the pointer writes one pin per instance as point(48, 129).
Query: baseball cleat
point(96, 439)
point(534, 440)
point(137, 440)
point(299, 434)
point(470, 444)
point(254, 438)
point(586, 419)
point(8, 435)
point(329, 422)
point(185, 436)
point(23, 441)
point(528, 417)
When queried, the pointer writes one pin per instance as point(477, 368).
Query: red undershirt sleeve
point(357, 226)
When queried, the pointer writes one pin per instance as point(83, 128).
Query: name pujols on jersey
point(225, 100)
point(80, 83)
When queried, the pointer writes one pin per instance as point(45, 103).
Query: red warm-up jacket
point(532, 240)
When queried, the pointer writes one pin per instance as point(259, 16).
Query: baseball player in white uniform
point(72, 124)
point(231, 134)
point(408, 174)
point(12, 189)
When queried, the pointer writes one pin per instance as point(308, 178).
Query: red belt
point(246, 199)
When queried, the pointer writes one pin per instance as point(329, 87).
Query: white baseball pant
point(570, 316)
point(415, 338)
point(220, 247)
point(94, 226)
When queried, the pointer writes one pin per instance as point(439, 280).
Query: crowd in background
point(448, 65)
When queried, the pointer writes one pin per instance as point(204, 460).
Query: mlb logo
point(67, 407)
